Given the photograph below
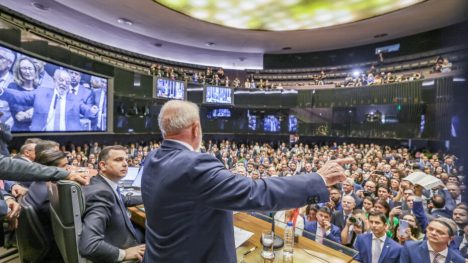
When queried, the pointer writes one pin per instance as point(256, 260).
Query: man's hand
point(79, 177)
point(94, 110)
point(327, 225)
point(332, 171)
point(135, 252)
point(15, 209)
point(18, 190)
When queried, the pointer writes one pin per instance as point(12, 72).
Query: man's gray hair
point(177, 115)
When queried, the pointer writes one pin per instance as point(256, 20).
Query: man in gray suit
point(108, 235)
point(189, 196)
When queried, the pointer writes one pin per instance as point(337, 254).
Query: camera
point(355, 220)
point(367, 193)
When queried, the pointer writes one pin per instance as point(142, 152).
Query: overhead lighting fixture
point(158, 44)
point(286, 48)
point(40, 6)
point(125, 21)
point(210, 44)
point(241, 59)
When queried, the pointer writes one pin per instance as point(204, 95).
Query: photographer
point(355, 225)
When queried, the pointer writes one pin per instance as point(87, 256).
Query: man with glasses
point(54, 109)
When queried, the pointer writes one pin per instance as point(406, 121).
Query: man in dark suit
point(461, 242)
point(189, 196)
point(99, 89)
point(322, 228)
point(54, 109)
point(339, 217)
point(376, 247)
point(437, 206)
point(435, 249)
point(5, 137)
point(84, 94)
point(108, 234)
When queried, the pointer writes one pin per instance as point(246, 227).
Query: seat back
point(66, 208)
point(33, 244)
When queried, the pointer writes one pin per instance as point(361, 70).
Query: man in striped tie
point(435, 249)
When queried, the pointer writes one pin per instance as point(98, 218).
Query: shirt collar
point(188, 146)
point(443, 252)
point(111, 183)
point(382, 238)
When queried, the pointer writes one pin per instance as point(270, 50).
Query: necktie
point(376, 250)
point(125, 215)
point(73, 90)
point(436, 257)
point(460, 233)
point(57, 107)
point(320, 235)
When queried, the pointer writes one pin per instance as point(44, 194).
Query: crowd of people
point(371, 77)
point(376, 189)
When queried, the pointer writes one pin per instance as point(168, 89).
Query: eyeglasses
point(27, 68)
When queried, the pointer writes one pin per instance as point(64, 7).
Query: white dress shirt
point(442, 254)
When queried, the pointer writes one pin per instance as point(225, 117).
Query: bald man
point(189, 196)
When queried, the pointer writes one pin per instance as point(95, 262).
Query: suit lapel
point(385, 249)
point(123, 209)
point(368, 245)
point(424, 252)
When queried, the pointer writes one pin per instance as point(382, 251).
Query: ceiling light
point(286, 48)
point(125, 21)
point(158, 44)
point(40, 6)
point(210, 44)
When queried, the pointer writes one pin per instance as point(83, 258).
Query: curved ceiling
point(284, 15)
point(151, 29)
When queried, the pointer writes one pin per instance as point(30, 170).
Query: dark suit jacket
point(418, 252)
point(41, 99)
point(188, 198)
point(106, 226)
point(390, 251)
point(85, 95)
point(5, 137)
point(338, 219)
point(335, 233)
point(442, 213)
point(17, 170)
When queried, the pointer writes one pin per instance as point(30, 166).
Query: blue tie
point(127, 219)
point(57, 107)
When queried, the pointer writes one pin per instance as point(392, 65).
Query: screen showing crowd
point(170, 89)
point(215, 94)
point(37, 96)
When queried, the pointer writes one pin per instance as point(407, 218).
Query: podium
point(305, 250)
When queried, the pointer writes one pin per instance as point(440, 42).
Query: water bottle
point(288, 250)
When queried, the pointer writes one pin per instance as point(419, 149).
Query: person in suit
point(180, 185)
point(54, 109)
point(99, 89)
point(348, 190)
point(461, 242)
point(376, 247)
point(439, 234)
point(322, 228)
point(38, 197)
point(18, 170)
point(108, 234)
point(5, 137)
point(437, 207)
point(7, 58)
point(339, 217)
point(84, 94)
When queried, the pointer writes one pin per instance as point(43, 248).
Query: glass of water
point(268, 238)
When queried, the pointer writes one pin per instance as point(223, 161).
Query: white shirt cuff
point(122, 255)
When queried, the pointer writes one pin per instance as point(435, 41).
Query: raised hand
point(332, 171)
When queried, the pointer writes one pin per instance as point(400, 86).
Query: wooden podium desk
point(305, 251)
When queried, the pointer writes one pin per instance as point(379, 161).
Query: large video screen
point(219, 113)
point(170, 89)
point(271, 123)
point(219, 95)
point(292, 124)
point(38, 96)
